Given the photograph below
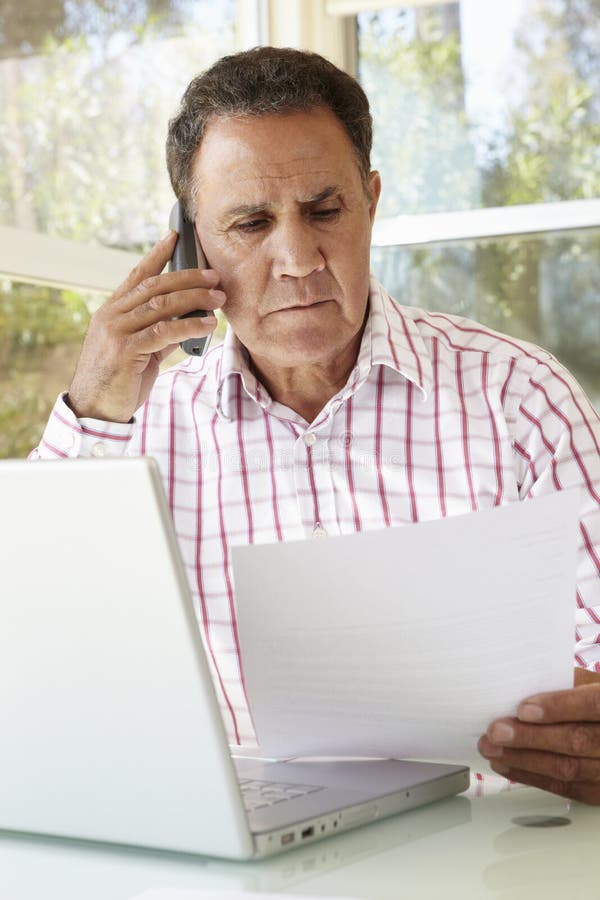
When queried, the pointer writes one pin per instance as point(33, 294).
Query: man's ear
point(374, 190)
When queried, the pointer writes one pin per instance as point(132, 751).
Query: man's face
point(284, 218)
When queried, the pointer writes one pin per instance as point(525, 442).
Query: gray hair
point(264, 81)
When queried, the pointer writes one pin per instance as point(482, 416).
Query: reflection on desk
point(459, 848)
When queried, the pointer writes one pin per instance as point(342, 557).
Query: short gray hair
point(264, 81)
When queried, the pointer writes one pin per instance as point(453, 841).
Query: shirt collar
point(234, 367)
point(395, 340)
point(390, 338)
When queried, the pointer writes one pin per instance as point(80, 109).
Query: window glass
point(483, 104)
point(86, 90)
point(42, 329)
point(541, 288)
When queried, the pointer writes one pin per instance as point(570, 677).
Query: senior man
point(265, 437)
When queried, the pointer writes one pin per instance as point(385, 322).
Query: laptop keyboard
point(258, 794)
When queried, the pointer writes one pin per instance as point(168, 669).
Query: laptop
point(111, 729)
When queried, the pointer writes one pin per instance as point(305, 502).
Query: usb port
point(308, 832)
point(287, 838)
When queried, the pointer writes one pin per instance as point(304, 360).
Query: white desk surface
point(468, 847)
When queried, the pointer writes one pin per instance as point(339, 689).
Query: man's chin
point(306, 348)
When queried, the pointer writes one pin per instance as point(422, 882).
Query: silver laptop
point(110, 725)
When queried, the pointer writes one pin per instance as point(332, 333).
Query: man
point(266, 438)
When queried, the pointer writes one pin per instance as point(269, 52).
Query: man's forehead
point(249, 151)
point(307, 120)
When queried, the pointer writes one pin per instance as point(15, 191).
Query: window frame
point(37, 258)
point(328, 27)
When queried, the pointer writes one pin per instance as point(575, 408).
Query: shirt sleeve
point(557, 446)
point(67, 437)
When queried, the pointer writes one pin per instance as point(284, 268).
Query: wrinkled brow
point(253, 209)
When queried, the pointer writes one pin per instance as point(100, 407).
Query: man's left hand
point(553, 743)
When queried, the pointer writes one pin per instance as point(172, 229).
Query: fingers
point(145, 279)
point(581, 704)
point(577, 778)
point(132, 332)
point(161, 288)
point(154, 323)
point(140, 315)
point(573, 738)
point(550, 765)
point(164, 333)
point(553, 743)
point(583, 791)
point(167, 305)
point(561, 758)
point(153, 264)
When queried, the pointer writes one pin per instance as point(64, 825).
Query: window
point(480, 104)
point(86, 89)
point(543, 288)
point(42, 329)
point(491, 107)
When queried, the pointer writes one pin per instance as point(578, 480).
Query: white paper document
point(407, 642)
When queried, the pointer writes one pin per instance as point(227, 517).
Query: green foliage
point(86, 89)
point(84, 120)
point(41, 330)
point(543, 290)
point(23, 413)
point(34, 317)
point(82, 129)
point(416, 86)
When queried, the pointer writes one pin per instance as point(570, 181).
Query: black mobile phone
point(187, 255)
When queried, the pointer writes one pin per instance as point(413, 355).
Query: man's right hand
point(135, 330)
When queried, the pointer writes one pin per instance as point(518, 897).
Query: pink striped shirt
point(439, 416)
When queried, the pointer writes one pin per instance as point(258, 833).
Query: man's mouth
point(311, 304)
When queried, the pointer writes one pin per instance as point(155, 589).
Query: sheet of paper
point(407, 642)
point(178, 894)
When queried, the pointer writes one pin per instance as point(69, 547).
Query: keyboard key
point(261, 794)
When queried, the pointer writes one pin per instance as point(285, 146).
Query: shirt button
point(99, 450)
point(319, 531)
point(309, 438)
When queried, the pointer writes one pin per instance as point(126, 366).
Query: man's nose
point(295, 251)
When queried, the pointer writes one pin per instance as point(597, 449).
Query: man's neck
point(307, 389)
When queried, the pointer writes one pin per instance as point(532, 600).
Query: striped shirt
point(439, 416)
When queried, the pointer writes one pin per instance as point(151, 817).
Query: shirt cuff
point(67, 437)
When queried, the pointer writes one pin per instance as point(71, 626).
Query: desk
point(463, 848)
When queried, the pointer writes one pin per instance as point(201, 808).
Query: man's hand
point(135, 330)
point(554, 743)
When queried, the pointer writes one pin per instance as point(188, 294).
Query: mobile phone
point(187, 255)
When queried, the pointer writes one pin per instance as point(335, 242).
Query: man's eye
point(326, 214)
point(252, 225)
